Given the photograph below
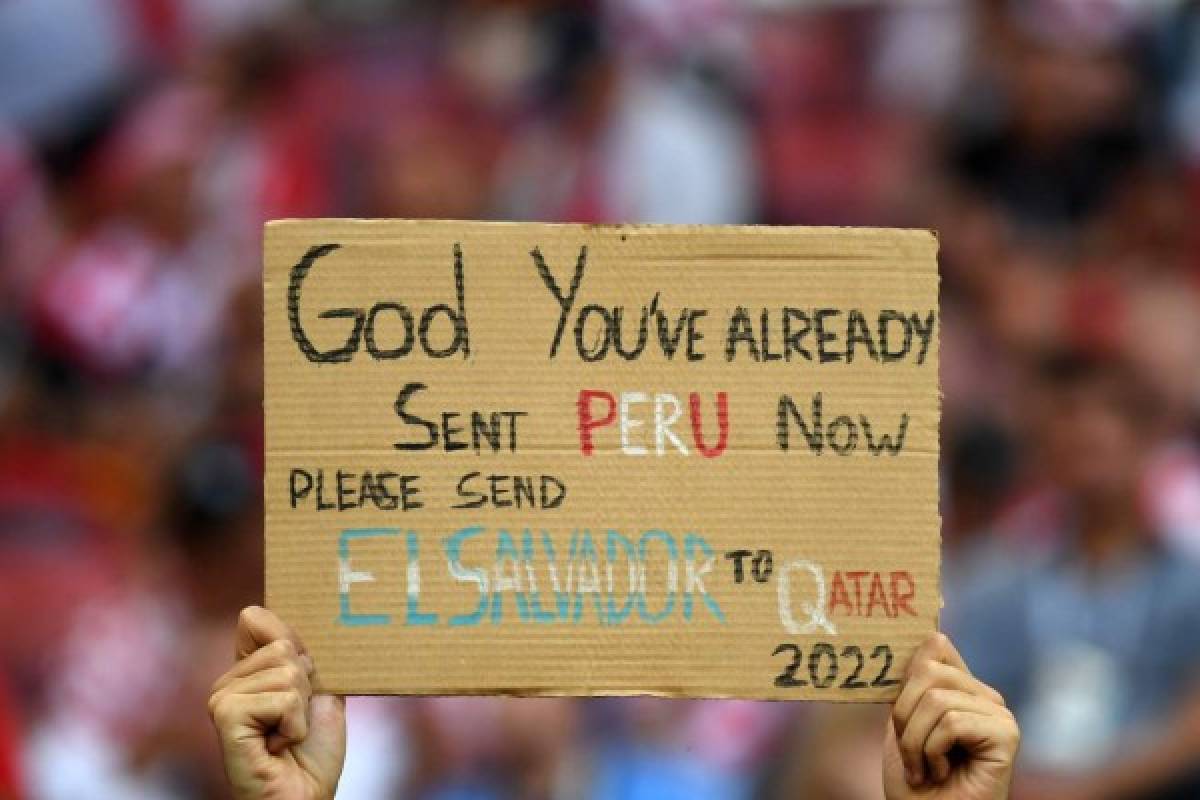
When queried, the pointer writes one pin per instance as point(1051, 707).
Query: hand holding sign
point(950, 736)
point(277, 738)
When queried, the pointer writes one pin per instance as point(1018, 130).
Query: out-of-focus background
point(1054, 144)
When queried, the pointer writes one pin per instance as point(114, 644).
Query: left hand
point(279, 740)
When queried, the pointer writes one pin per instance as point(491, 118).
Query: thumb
point(895, 776)
point(323, 752)
point(329, 714)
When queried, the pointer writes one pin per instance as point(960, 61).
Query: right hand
point(278, 740)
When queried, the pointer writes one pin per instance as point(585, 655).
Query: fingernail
point(307, 661)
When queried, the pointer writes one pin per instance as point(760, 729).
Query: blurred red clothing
point(10, 779)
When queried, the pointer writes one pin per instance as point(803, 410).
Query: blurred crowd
point(1053, 144)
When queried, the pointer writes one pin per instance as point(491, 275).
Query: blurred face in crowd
point(163, 201)
point(1060, 92)
point(426, 168)
point(1092, 442)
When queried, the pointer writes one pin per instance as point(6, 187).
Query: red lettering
point(587, 423)
point(722, 425)
point(877, 597)
point(856, 577)
point(838, 595)
point(900, 600)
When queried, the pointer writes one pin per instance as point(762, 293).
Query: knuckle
point(1012, 732)
point(295, 675)
point(217, 686)
point(938, 698)
point(920, 673)
point(954, 719)
point(941, 642)
point(220, 708)
point(282, 649)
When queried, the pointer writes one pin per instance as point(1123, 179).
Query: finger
point(257, 627)
point(928, 674)
point(987, 736)
point(241, 716)
point(938, 647)
point(933, 705)
point(276, 654)
point(283, 678)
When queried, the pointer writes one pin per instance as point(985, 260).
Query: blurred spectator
point(1087, 639)
point(836, 755)
point(125, 714)
point(686, 749)
point(1058, 117)
point(640, 138)
point(470, 748)
point(51, 73)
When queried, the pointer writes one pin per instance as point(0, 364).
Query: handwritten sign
point(563, 459)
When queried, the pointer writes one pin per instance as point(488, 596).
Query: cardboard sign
point(564, 459)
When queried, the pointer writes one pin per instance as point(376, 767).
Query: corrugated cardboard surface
point(848, 517)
